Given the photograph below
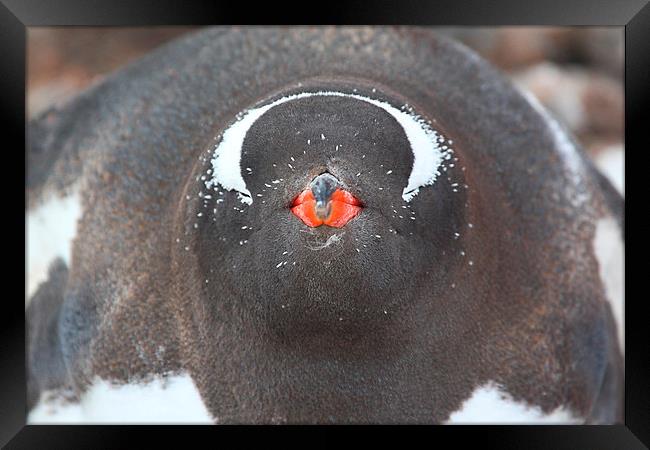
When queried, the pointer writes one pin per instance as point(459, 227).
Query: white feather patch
point(171, 400)
point(428, 154)
point(51, 227)
point(609, 250)
point(611, 162)
point(489, 404)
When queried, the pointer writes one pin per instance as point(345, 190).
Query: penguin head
point(326, 206)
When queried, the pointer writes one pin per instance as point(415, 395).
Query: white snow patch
point(171, 400)
point(489, 404)
point(427, 152)
point(609, 250)
point(51, 227)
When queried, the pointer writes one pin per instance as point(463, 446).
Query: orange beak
point(339, 210)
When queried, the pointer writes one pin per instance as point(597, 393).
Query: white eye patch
point(426, 144)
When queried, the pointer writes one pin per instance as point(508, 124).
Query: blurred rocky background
point(577, 73)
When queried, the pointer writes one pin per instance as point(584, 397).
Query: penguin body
point(466, 281)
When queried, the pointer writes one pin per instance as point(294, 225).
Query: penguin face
point(332, 217)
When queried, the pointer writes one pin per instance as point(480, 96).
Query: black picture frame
point(17, 15)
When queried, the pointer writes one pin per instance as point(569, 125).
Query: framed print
point(407, 215)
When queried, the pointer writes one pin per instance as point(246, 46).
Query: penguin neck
point(250, 361)
point(332, 335)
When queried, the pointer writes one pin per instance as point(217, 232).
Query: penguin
point(318, 226)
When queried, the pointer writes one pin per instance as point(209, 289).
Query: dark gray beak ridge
point(322, 187)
